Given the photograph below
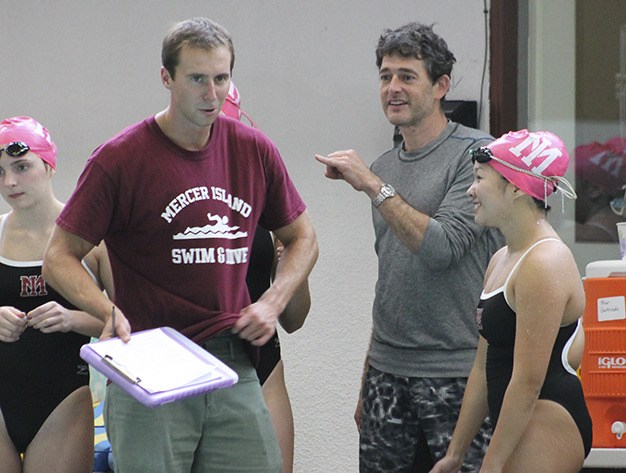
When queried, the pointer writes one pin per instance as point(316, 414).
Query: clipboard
point(158, 366)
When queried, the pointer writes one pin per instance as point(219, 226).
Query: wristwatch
point(386, 191)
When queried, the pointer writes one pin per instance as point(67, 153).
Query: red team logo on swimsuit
point(32, 286)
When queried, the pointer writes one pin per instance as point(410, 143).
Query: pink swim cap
point(31, 132)
point(232, 105)
point(536, 162)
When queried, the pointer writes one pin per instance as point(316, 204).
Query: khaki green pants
point(227, 430)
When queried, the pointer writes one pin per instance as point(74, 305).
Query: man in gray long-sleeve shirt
point(431, 262)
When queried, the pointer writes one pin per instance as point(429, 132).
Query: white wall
point(87, 68)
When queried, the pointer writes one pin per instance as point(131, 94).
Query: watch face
point(388, 191)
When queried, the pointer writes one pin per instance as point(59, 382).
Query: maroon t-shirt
point(179, 224)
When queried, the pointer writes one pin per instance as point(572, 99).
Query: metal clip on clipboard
point(121, 369)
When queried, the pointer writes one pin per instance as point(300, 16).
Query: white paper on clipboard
point(155, 361)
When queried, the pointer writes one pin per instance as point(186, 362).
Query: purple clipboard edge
point(227, 376)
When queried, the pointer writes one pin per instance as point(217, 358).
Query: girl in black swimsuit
point(528, 318)
point(46, 413)
point(270, 368)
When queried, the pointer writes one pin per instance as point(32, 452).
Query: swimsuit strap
point(506, 283)
point(3, 221)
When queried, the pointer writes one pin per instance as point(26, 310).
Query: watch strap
point(386, 191)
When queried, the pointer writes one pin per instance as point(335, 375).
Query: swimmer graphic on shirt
point(219, 229)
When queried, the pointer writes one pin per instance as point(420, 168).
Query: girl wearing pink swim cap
point(524, 375)
point(46, 407)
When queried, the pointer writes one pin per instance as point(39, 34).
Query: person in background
point(46, 416)
point(524, 375)
point(264, 257)
point(431, 261)
point(177, 198)
point(601, 189)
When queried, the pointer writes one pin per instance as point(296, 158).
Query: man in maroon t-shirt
point(177, 198)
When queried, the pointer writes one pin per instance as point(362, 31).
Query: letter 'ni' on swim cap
point(538, 162)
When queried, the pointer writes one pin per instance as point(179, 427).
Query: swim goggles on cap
point(484, 154)
point(15, 149)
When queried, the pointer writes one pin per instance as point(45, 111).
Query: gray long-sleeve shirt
point(425, 304)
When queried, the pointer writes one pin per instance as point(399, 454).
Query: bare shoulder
point(548, 267)
point(554, 256)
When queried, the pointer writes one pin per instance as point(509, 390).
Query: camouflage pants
point(406, 419)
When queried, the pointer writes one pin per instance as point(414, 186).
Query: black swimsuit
point(258, 280)
point(496, 323)
point(39, 370)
